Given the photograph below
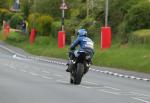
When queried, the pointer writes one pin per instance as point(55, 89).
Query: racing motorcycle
point(79, 64)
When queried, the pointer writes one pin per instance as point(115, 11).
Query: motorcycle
point(79, 64)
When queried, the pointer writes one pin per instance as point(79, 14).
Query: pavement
point(25, 78)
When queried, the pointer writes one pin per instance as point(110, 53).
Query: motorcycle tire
point(79, 73)
point(71, 78)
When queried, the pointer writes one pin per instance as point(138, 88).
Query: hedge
point(140, 37)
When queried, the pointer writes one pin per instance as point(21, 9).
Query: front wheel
point(71, 78)
point(79, 73)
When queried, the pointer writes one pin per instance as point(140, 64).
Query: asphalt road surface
point(25, 80)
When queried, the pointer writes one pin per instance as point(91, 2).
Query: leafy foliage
point(4, 4)
point(44, 25)
point(4, 15)
point(138, 17)
point(32, 19)
point(15, 21)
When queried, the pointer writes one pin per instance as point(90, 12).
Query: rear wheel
point(79, 73)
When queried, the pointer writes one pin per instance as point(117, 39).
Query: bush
point(140, 37)
point(32, 19)
point(56, 26)
point(82, 13)
point(16, 20)
point(86, 23)
point(118, 10)
point(70, 28)
point(138, 17)
point(16, 37)
point(44, 25)
point(4, 15)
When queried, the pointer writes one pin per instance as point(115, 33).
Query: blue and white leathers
point(86, 44)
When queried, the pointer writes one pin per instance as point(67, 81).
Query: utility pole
point(63, 16)
point(63, 8)
point(106, 12)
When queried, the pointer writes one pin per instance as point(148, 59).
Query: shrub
point(138, 17)
point(93, 32)
point(135, 17)
point(16, 20)
point(86, 23)
point(44, 25)
point(4, 15)
point(70, 28)
point(82, 13)
point(56, 26)
point(16, 37)
point(140, 37)
point(32, 19)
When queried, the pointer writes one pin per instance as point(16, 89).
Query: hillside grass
point(127, 57)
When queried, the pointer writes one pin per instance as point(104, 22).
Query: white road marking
point(19, 58)
point(12, 67)
point(46, 72)
point(58, 75)
point(62, 81)
point(84, 86)
point(140, 94)
point(45, 77)
point(132, 77)
point(102, 90)
point(141, 100)
point(115, 74)
point(22, 70)
point(23, 57)
point(108, 87)
point(34, 74)
point(126, 94)
point(91, 82)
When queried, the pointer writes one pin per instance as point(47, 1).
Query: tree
point(26, 5)
point(4, 3)
point(50, 7)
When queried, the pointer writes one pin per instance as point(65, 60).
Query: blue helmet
point(82, 32)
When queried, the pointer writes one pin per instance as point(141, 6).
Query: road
point(24, 80)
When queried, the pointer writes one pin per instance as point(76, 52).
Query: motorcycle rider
point(85, 43)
